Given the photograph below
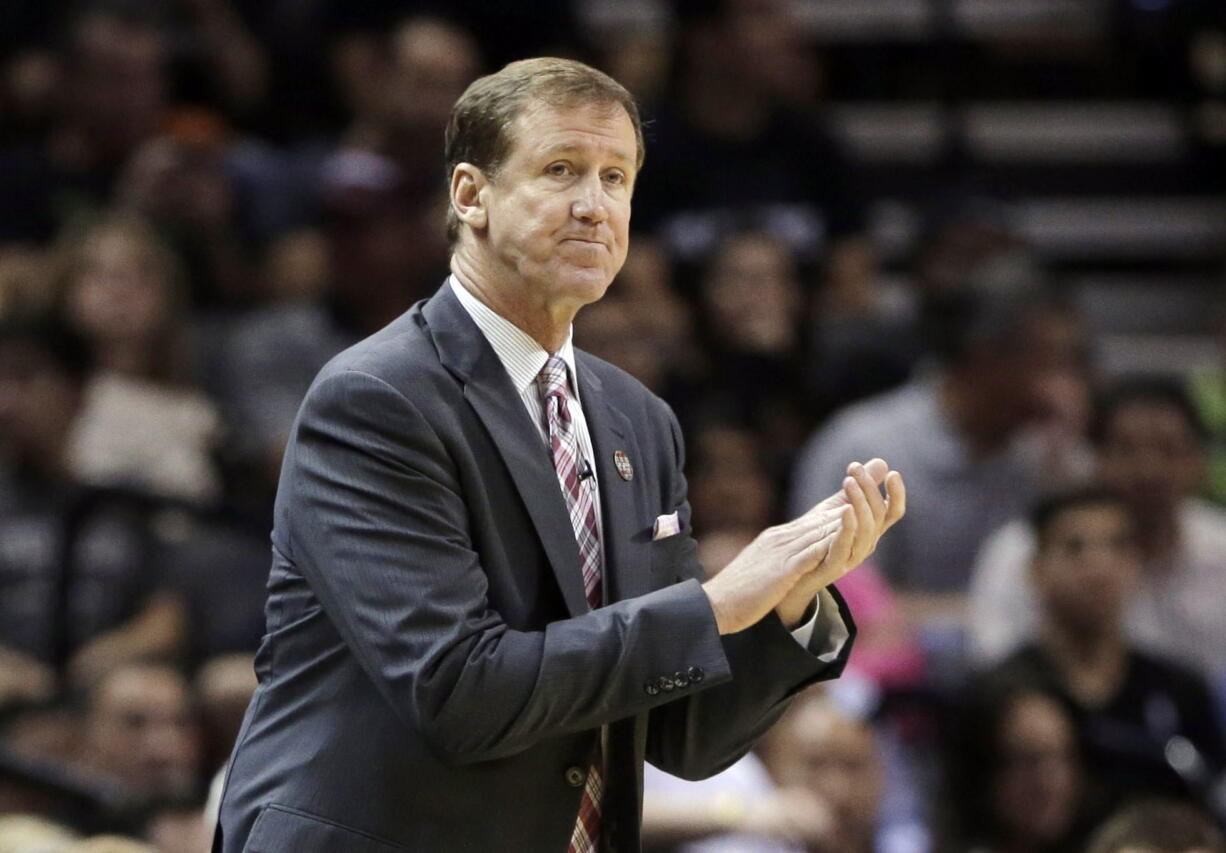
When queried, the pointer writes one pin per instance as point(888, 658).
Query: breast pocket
point(281, 829)
point(673, 559)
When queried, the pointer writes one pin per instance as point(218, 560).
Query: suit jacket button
point(696, 674)
point(681, 679)
point(651, 688)
point(666, 683)
point(575, 776)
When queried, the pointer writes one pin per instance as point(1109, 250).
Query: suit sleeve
point(378, 527)
point(701, 734)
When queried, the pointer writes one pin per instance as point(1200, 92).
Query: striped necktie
point(564, 445)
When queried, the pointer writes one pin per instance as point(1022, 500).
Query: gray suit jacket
point(432, 678)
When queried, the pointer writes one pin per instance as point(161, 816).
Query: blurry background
point(984, 239)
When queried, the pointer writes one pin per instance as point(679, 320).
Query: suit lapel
point(625, 574)
point(464, 351)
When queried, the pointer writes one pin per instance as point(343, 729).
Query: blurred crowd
point(202, 201)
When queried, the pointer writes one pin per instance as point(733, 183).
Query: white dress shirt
point(524, 358)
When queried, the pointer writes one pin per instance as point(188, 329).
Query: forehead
point(1149, 419)
point(542, 129)
point(1077, 521)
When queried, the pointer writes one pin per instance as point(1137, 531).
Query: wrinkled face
point(1150, 455)
point(558, 209)
point(1087, 566)
point(1037, 783)
point(143, 732)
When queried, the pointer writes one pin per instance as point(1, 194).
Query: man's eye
point(559, 169)
point(615, 177)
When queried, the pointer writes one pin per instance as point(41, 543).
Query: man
point(83, 590)
point(1150, 450)
point(476, 631)
point(141, 732)
point(963, 430)
point(1133, 711)
point(820, 748)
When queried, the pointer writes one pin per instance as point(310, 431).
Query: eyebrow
point(569, 147)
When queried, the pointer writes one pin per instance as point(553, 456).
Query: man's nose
point(589, 205)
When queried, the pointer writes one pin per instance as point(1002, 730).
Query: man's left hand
point(874, 514)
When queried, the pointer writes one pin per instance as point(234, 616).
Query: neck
point(1091, 665)
point(1158, 535)
point(125, 359)
point(546, 323)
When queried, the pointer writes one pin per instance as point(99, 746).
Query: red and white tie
point(564, 445)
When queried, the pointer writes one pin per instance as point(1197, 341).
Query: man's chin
point(585, 284)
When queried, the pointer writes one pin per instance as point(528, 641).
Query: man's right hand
point(815, 549)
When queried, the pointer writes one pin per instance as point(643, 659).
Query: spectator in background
point(114, 94)
point(646, 282)
point(739, 148)
point(730, 483)
point(1129, 707)
point(142, 733)
point(380, 245)
point(421, 70)
point(818, 748)
point(1014, 776)
point(380, 248)
point(646, 330)
point(751, 313)
point(816, 788)
point(79, 587)
point(143, 424)
point(960, 433)
point(180, 181)
point(612, 332)
point(1158, 826)
point(1150, 448)
point(740, 810)
point(965, 236)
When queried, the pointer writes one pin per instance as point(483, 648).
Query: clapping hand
point(787, 565)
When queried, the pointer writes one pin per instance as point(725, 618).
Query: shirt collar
point(518, 351)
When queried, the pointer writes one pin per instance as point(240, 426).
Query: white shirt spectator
point(1176, 611)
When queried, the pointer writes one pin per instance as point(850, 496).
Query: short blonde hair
point(479, 129)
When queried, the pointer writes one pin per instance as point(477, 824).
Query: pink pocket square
point(665, 526)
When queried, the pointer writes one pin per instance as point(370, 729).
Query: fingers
point(840, 548)
point(822, 528)
point(896, 498)
point(877, 469)
point(869, 485)
point(832, 550)
point(863, 512)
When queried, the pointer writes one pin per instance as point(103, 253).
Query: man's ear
point(468, 184)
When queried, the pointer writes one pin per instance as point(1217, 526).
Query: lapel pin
point(624, 469)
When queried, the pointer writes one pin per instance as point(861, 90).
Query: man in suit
point(485, 610)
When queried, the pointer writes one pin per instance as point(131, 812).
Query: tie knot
point(552, 378)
